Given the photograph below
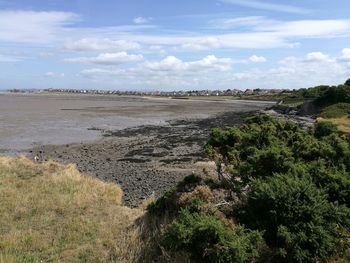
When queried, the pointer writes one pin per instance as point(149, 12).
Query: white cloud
point(46, 54)
point(263, 5)
point(54, 32)
point(259, 32)
point(142, 20)
point(257, 59)
point(245, 21)
point(54, 75)
point(49, 74)
point(171, 72)
point(297, 72)
point(345, 55)
point(34, 27)
point(107, 59)
point(94, 44)
point(94, 72)
point(193, 47)
point(212, 72)
point(272, 34)
point(5, 58)
point(173, 64)
point(155, 49)
point(170, 63)
point(316, 57)
point(206, 43)
point(308, 28)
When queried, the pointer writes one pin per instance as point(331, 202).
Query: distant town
point(193, 93)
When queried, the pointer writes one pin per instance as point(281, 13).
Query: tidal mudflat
point(145, 145)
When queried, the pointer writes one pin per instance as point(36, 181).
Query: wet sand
point(145, 145)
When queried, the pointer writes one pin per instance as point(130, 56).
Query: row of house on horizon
point(228, 92)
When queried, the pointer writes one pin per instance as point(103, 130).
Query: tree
point(347, 83)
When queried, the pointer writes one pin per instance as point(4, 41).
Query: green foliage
point(336, 111)
point(334, 181)
point(206, 239)
point(164, 203)
point(189, 181)
point(325, 95)
point(324, 129)
point(267, 146)
point(347, 83)
point(311, 92)
point(288, 186)
point(168, 202)
point(333, 95)
point(297, 218)
point(298, 185)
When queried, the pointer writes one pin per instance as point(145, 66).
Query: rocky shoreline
point(146, 160)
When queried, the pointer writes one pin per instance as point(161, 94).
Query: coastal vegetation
point(282, 195)
point(328, 103)
point(334, 106)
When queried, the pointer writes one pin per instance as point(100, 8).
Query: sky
point(173, 45)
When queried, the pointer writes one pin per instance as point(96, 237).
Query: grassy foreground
point(51, 213)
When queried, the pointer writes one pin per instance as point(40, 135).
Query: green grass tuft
point(336, 111)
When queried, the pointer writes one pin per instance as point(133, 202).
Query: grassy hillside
point(337, 114)
point(337, 110)
point(51, 213)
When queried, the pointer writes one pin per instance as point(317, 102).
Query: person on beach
point(41, 156)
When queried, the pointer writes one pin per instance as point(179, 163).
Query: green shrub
point(311, 92)
point(334, 181)
point(268, 146)
point(189, 181)
point(265, 162)
point(290, 184)
point(324, 129)
point(333, 95)
point(206, 239)
point(336, 111)
point(168, 202)
point(165, 203)
point(298, 220)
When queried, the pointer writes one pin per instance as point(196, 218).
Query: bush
point(290, 184)
point(334, 181)
point(267, 161)
point(268, 146)
point(311, 92)
point(324, 129)
point(165, 203)
point(206, 239)
point(168, 202)
point(336, 111)
point(334, 95)
point(298, 220)
point(189, 181)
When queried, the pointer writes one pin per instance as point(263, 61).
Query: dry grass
point(342, 123)
point(51, 213)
